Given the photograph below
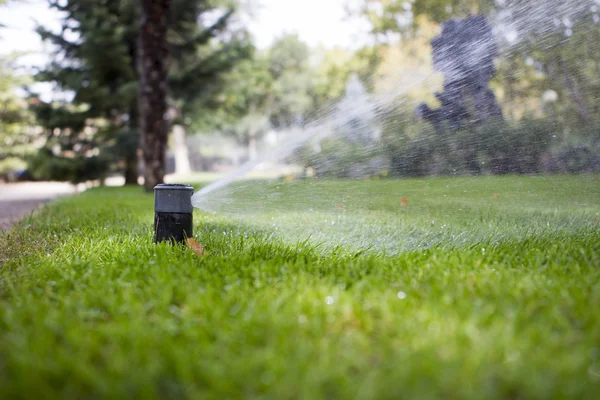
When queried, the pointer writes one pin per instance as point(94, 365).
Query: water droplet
point(329, 300)
point(567, 22)
point(401, 295)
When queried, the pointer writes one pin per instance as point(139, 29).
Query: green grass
point(456, 295)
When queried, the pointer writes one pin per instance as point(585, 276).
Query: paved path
point(20, 199)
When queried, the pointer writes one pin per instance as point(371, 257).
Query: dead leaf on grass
point(197, 247)
point(404, 201)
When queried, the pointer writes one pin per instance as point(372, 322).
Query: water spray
point(173, 217)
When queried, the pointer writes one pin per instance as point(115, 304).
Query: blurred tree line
point(98, 59)
point(212, 78)
point(215, 79)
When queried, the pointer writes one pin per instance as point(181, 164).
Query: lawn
point(468, 288)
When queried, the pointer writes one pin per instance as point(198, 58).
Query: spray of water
point(344, 139)
point(317, 129)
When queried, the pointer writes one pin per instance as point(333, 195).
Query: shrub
point(9, 168)
point(578, 158)
point(47, 166)
point(493, 148)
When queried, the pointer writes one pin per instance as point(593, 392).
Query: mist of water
point(316, 130)
point(351, 130)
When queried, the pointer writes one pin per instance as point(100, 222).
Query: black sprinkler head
point(173, 213)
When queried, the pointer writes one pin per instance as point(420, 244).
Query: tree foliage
point(16, 133)
point(96, 59)
point(402, 16)
point(547, 77)
point(271, 90)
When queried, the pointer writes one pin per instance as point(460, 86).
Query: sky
point(19, 35)
point(317, 22)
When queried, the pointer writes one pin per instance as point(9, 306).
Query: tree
point(16, 131)
point(16, 123)
point(568, 60)
point(281, 87)
point(198, 65)
point(96, 59)
point(464, 53)
point(551, 69)
point(271, 90)
point(390, 17)
point(193, 66)
point(333, 69)
point(408, 62)
point(153, 88)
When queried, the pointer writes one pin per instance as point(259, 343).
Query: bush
point(516, 149)
point(579, 158)
point(46, 166)
point(494, 148)
point(526, 147)
point(10, 167)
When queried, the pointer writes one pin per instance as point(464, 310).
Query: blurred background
point(408, 88)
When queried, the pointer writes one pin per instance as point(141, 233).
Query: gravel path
point(20, 199)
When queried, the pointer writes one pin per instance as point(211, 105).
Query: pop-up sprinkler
point(173, 213)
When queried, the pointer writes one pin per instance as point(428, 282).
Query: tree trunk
point(180, 151)
point(153, 89)
point(131, 169)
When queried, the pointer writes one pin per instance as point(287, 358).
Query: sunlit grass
point(435, 212)
point(502, 302)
